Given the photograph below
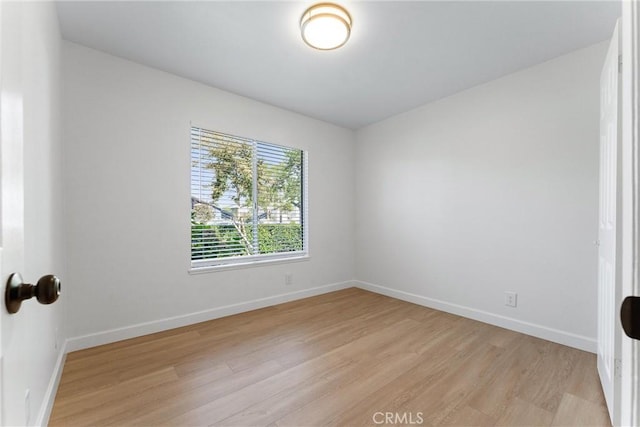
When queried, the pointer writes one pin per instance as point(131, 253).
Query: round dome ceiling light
point(325, 26)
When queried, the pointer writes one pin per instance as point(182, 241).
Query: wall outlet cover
point(511, 299)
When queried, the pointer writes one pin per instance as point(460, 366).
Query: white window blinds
point(247, 199)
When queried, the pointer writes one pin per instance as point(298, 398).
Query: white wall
point(489, 190)
point(31, 71)
point(126, 176)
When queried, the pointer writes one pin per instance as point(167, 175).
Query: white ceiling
point(400, 55)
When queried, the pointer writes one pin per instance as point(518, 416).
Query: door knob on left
point(46, 291)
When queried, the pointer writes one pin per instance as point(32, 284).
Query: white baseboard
point(52, 388)
point(539, 331)
point(119, 334)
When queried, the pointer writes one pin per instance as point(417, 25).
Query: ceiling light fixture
point(325, 26)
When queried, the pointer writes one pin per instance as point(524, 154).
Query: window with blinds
point(247, 200)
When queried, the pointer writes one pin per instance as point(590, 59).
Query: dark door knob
point(46, 291)
point(630, 317)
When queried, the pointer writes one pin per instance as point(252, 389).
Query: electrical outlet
point(511, 299)
point(27, 407)
point(288, 279)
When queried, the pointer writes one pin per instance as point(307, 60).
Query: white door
point(609, 200)
point(628, 403)
point(11, 205)
point(1, 271)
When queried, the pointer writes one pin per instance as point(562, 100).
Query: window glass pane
point(279, 199)
point(221, 196)
point(227, 174)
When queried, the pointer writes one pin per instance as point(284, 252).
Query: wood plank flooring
point(336, 359)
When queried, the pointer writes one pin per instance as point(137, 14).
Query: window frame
point(234, 262)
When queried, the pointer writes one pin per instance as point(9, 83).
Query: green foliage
point(203, 238)
point(273, 238)
point(202, 213)
point(280, 186)
point(232, 165)
point(221, 241)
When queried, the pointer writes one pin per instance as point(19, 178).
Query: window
point(247, 200)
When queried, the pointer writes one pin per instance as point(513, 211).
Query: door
point(629, 401)
point(11, 206)
point(608, 271)
point(1, 270)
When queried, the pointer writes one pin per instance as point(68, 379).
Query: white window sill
point(249, 264)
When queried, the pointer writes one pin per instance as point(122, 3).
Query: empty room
point(297, 213)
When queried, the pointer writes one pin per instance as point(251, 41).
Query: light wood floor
point(335, 359)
